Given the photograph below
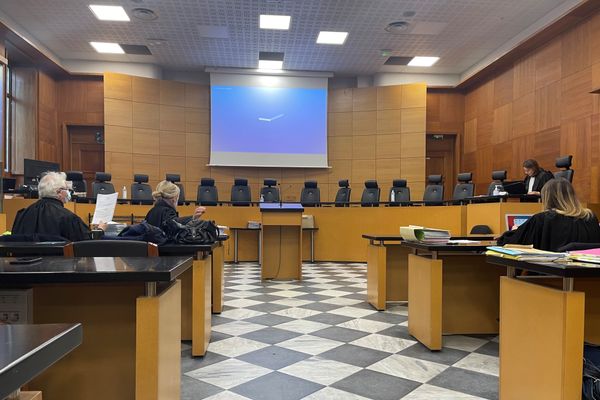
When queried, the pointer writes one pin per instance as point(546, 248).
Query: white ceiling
point(468, 31)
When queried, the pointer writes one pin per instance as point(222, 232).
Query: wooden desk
point(387, 270)
point(130, 310)
point(493, 214)
point(451, 290)
point(543, 325)
point(281, 239)
point(27, 350)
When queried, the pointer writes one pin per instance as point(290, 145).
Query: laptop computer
point(515, 220)
point(515, 187)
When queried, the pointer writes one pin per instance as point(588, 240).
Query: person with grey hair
point(48, 217)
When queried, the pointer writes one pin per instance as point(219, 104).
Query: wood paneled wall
point(540, 108)
point(45, 105)
point(156, 127)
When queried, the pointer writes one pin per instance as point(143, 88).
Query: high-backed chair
point(79, 184)
point(207, 192)
point(370, 195)
point(310, 195)
point(434, 191)
point(464, 188)
point(102, 184)
point(176, 178)
point(498, 178)
point(270, 192)
point(240, 192)
point(401, 192)
point(342, 197)
point(111, 248)
point(141, 192)
point(564, 162)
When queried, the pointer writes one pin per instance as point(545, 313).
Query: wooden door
point(86, 150)
point(440, 160)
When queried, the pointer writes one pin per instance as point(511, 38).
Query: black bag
point(591, 372)
point(196, 231)
point(143, 232)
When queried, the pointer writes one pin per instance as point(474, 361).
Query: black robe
point(48, 216)
point(161, 213)
point(540, 180)
point(550, 231)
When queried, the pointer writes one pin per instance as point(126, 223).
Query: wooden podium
point(281, 238)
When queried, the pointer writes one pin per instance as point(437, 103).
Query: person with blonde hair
point(166, 197)
point(563, 221)
point(48, 216)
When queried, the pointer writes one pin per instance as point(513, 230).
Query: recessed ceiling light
point(281, 22)
point(111, 48)
point(423, 61)
point(109, 13)
point(270, 64)
point(328, 37)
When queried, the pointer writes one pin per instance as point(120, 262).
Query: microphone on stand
point(280, 195)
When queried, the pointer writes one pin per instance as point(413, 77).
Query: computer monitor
point(8, 184)
point(515, 220)
point(34, 169)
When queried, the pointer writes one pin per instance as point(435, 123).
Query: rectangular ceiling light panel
point(279, 22)
point(110, 48)
point(270, 64)
point(109, 13)
point(329, 37)
point(423, 61)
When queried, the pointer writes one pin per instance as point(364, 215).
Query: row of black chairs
point(399, 193)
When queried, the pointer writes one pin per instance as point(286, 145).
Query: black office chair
point(370, 195)
point(434, 191)
point(310, 195)
point(498, 178)
point(342, 197)
point(79, 184)
point(111, 248)
point(464, 188)
point(240, 192)
point(102, 184)
point(176, 178)
point(141, 192)
point(481, 230)
point(207, 192)
point(401, 192)
point(567, 173)
point(270, 192)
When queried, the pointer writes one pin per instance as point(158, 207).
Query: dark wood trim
point(576, 16)
point(595, 91)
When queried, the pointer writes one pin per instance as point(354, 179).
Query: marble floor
point(320, 339)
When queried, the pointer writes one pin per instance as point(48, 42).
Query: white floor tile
point(408, 368)
point(385, 343)
point(320, 370)
point(330, 393)
point(365, 325)
point(297, 313)
point(429, 392)
point(235, 346)
point(240, 313)
point(310, 344)
point(229, 373)
point(353, 312)
point(480, 363)
point(302, 326)
point(237, 328)
point(241, 303)
point(465, 343)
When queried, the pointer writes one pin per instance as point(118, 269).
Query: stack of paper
point(425, 235)
point(523, 253)
point(589, 256)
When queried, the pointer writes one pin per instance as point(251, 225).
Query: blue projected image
point(268, 120)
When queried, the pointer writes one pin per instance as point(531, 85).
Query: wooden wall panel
point(550, 108)
point(167, 128)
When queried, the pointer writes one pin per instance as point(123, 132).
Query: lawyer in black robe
point(48, 216)
point(166, 198)
point(563, 221)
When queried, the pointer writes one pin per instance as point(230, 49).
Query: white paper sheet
point(105, 208)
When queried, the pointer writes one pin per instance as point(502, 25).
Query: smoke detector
point(144, 14)
point(397, 27)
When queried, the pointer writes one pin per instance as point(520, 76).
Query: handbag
point(195, 231)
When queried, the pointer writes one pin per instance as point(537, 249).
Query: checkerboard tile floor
point(320, 339)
